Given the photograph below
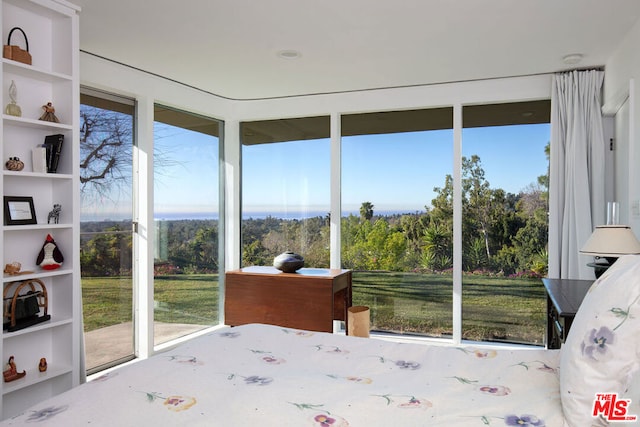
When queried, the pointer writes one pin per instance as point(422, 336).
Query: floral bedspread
point(260, 375)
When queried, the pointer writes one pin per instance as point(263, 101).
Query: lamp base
point(601, 265)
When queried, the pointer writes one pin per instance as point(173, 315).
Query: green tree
point(501, 231)
point(204, 250)
point(107, 253)
point(413, 228)
point(477, 206)
point(366, 211)
point(437, 248)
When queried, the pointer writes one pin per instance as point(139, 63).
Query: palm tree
point(366, 211)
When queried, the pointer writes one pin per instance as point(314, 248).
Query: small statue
point(42, 366)
point(11, 373)
point(54, 214)
point(49, 114)
point(12, 108)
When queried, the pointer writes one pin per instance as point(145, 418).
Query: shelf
point(32, 72)
point(55, 322)
point(36, 227)
point(35, 123)
point(35, 377)
point(37, 274)
point(23, 174)
point(52, 27)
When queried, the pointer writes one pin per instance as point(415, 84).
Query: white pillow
point(601, 354)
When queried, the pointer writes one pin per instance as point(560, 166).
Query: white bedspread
point(260, 375)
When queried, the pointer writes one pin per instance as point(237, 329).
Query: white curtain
point(576, 190)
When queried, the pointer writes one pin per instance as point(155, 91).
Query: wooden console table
point(311, 298)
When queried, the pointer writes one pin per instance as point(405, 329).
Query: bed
point(267, 375)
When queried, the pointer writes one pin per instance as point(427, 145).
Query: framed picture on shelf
point(19, 211)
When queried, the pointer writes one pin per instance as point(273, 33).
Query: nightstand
point(564, 297)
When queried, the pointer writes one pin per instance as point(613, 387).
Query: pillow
point(600, 354)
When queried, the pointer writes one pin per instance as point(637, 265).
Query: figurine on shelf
point(11, 373)
point(13, 269)
point(42, 366)
point(54, 215)
point(49, 114)
point(14, 164)
point(12, 108)
point(50, 257)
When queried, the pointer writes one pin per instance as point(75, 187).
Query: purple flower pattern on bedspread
point(494, 390)
point(324, 419)
point(46, 413)
point(524, 421)
point(596, 343)
point(402, 364)
point(266, 375)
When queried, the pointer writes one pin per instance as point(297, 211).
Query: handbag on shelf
point(22, 309)
point(16, 53)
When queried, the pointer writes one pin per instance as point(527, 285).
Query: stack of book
point(47, 156)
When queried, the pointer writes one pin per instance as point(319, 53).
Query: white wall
point(621, 94)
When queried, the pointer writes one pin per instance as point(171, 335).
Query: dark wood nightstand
point(564, 297)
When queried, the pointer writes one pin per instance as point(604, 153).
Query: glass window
point(397, 219)
point(187, 224)
point(285, 190)
point(504, 221)
point(106, 141)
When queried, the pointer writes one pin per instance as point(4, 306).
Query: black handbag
point(27, 306)
point(22, 309)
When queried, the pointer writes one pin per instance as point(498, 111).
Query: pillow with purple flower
point(601, 352)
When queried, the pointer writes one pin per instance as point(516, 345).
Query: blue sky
point(188, 181)
point(395, 172)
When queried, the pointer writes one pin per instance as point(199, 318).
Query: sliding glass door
point(397, 221)
point(505, 184)
point(187, 249)
point(106, 141)
point(399, 197)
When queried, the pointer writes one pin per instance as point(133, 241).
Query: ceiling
point(230, 47)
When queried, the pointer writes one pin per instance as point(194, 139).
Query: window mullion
point(457, 223)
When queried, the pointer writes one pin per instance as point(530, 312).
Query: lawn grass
point(494, 309)
point(187, 298)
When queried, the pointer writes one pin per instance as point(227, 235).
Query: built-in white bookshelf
point(51, 27)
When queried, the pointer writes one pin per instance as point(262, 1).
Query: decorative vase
point(13, 109)
point(14, 164)
point(288, 262)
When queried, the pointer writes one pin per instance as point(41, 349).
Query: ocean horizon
point(177, 216)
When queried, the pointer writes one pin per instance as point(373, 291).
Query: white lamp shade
point(611, 241)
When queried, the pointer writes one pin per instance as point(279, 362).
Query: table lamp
point(607, 243)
